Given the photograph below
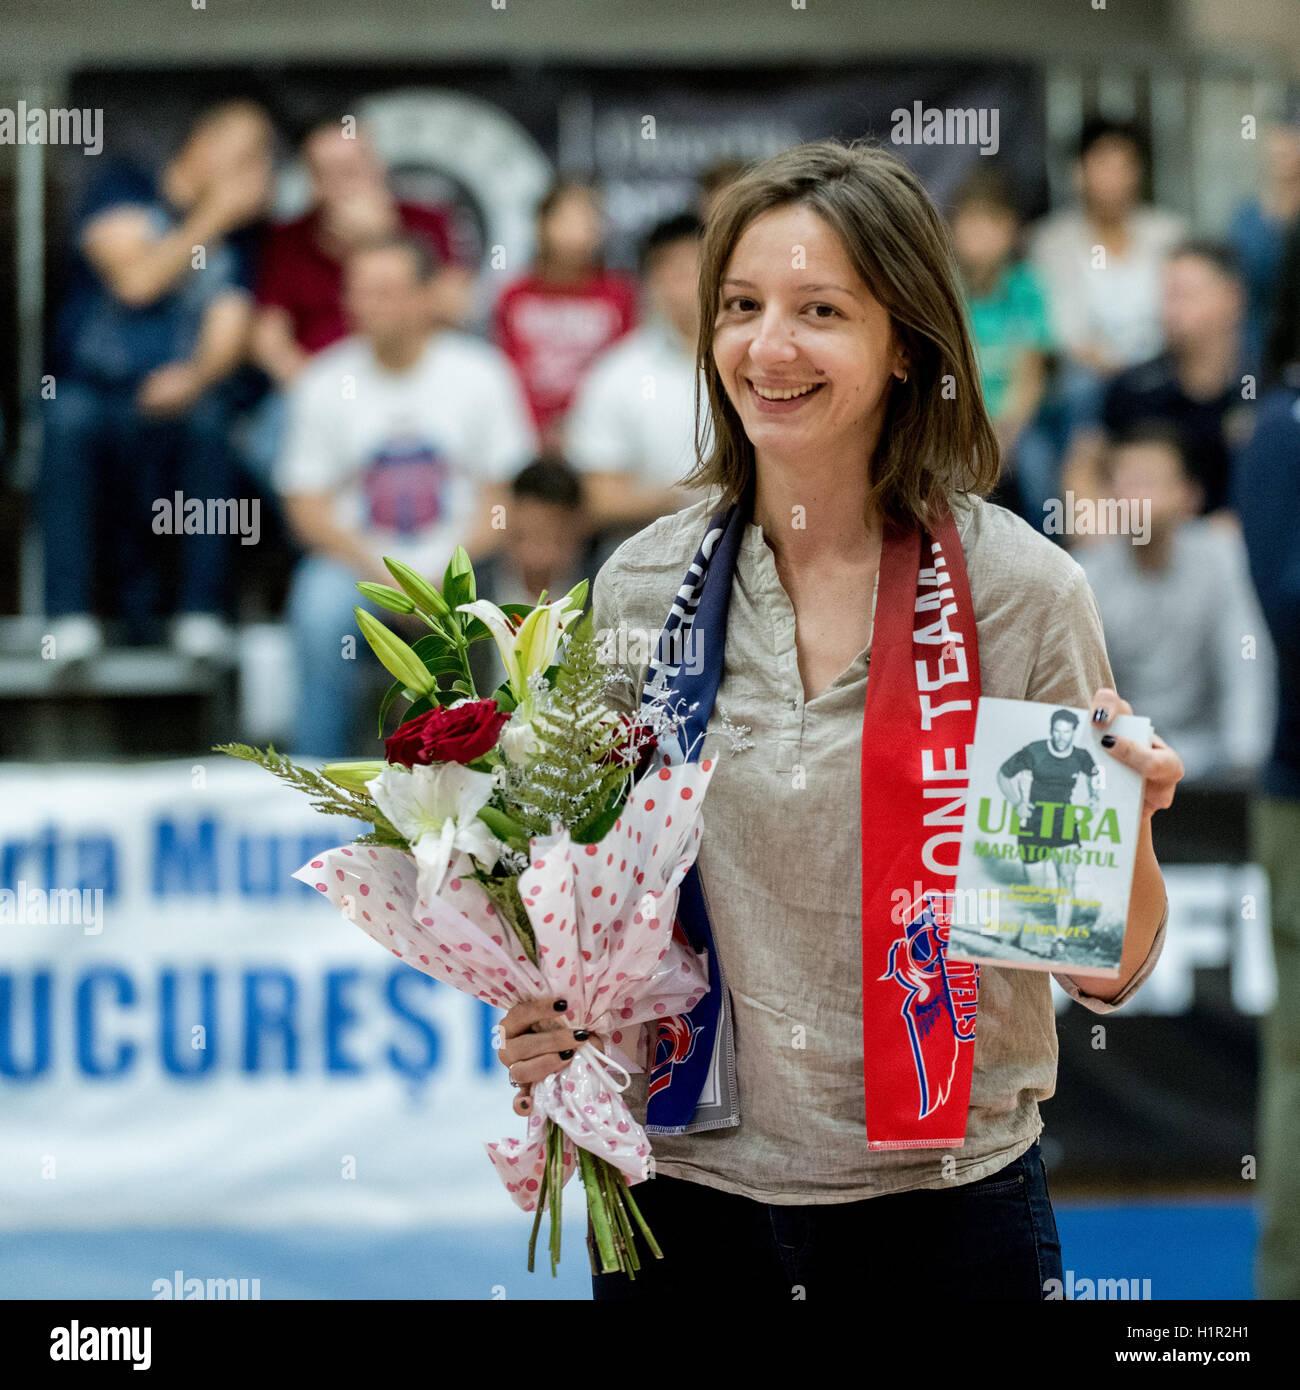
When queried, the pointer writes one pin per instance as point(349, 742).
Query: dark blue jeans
point(104, 465)
point(994, 1238)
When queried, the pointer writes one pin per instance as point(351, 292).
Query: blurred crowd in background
point(326, 366)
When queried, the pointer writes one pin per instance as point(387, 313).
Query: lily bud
point(392, 599)
point(504, 827)
point(352, 777)
point(459, 566)
point(423, 595)
point(576, 599)
point(394, 655)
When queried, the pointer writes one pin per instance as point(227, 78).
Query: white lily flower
point(529, 649)
point(435, 806)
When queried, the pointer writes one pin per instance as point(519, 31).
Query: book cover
point(1049, 841)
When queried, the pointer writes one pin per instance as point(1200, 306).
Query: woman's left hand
point(1160, 767)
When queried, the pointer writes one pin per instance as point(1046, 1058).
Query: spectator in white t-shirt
point(402, 440)
point(1184, 631)
point(631, 429)
point(1101, 263)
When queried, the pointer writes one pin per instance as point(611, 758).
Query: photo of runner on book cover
point(1048, 843)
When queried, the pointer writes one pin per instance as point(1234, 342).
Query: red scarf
point(918, 1021)
point(923, 687)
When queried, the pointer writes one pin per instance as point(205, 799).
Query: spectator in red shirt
point(300, 285)
point(554, 321)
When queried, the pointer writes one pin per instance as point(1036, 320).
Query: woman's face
point(794, 314)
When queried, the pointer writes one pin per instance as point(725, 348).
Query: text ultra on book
point(1048, 842)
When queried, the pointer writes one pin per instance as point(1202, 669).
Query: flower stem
point(557, 1193)
point(615, 1231)
point(598, 1212)
point(436, 626)
point(641, 1221)
point(627, 1242)
point(541, 1197)
point(591, 1236)
point(462, 651)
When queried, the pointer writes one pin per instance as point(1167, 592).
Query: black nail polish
point(560, 1005)
point(566, 1054)
point(581, 1034)
point(1099, 716)
point(1108, 740)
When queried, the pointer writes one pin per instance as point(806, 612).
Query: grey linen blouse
point(780, 855)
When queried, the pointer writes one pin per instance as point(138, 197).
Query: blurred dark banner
point(644, 133)
point(1168, 1097)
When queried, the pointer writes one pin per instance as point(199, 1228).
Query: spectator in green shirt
point(1009, 320)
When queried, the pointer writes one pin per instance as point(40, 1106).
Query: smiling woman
point(833, 269)
point(823, 1119)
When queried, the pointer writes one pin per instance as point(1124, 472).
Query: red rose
point(636, 744)
point(445, 735)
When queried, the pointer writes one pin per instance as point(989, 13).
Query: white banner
point(188, 1036)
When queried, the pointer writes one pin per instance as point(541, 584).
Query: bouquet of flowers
point(520, 851)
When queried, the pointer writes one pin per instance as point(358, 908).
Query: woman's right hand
point(538, 1041)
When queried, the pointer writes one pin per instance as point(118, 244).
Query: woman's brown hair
point(936, 438)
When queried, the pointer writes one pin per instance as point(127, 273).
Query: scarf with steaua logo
point(918, 1008)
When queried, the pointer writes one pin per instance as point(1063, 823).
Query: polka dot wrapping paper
point(604, 916)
